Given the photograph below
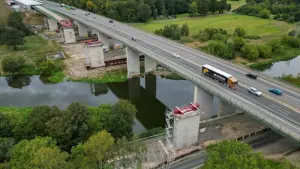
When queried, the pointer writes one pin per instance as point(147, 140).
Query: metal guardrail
point(195, 78)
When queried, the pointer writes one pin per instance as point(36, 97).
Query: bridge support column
point(83, 30)
point(68, 35)
point(52, 24)
point(133, 62)
point(150, 64)
point(104, 39)
point(205, 100)
point(226, 108)
point(150, 84)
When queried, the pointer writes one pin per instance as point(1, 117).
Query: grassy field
point(113, 76)
point(236, 4)
point(35, 49)
point(4, 11)
point(229, 21)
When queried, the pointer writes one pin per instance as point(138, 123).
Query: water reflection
point(150, 94)
point(284, 67)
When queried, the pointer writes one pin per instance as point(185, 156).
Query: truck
point(220, 76)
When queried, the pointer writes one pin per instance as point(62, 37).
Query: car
point(133, 38)
point(87, 14)
point(252, 76)
point(254, 91)
point(175, 55)
point(111, 21)
point(276, 91)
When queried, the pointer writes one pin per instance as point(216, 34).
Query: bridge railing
point(199, 80)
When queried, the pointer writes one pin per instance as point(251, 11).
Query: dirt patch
point(75, 63)
point(33, 18)
point(196, 44)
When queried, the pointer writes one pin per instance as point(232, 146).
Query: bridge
point(282, 113)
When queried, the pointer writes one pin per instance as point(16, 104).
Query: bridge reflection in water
point(150, 110)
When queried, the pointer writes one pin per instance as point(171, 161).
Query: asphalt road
point(197, 160)
point(284, 110)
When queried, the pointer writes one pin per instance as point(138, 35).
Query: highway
point(196, 160)
point(274, 110)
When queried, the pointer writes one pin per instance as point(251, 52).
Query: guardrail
point(197, 79)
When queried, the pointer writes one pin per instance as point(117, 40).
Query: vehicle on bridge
point(254, 91)
point(252, 76)
point(220, 76)
point(276, 91)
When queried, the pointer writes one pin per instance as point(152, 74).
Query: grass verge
point(294, 80)
point(111, 76)
point(57, 77)
point(152, 132)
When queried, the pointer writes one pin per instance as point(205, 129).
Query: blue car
point(276, 91)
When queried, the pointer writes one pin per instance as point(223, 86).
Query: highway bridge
point(282, 113)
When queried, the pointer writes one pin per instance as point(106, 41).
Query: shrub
point(220, 37)
point(203, 36)
point(277, 16)
point(290, 41)
point(46, 67)
point(211, 32)
point(238, 43)
point(297, 16)
point(13, 64)
point(250, 52)
point(264, 51)
point(285, 16)
point(239, 32)
point(251, 36)
point(293, 33)
point(171, 31)
point(291, 19)
point(264, 14)
point(275, 45)
point(220, 49)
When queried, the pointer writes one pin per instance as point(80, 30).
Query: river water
point(150, 94)
point(284, 68)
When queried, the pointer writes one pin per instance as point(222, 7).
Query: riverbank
point(294, 80)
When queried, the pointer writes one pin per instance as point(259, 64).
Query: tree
point(170, 7)
point(275, 45)
point(95, 152)
point(12, 37)
point(15, 20)
point(193, 9)
point(144, 12)
point(222, 6)
point(71, 127)
point(121, 119)
point(228, 7)
point(264, 14)
point(239, 32)
point(38, 153)
point(220, 37)
point(202, 7)
point(250, 52)
point(235, 154)
point(155, 13)
point(98, 117)
point(264, 51)
point(13, 63)
point(6, 145)
point(238, 43)
point(185, 30)
point(220, 49)
point(203, 36)
point(18, 81)
point(5, 126)
point(213, 6)
point(164, 11)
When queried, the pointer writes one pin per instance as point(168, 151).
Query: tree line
point(143, 10)
point(77, 137)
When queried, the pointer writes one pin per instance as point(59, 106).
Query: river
point(284, 67)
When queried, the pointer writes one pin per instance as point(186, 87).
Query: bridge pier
point(150, 64)
point(104, 39)
point(52, 24)
point(226, 108)
point(133, 62)
point(83, 30)
point(68, 35)
point(205, 99)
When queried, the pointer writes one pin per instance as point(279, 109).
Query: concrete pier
point(104, 39)
point(150, 64)
point(205, 99)
point(226, 108)
point(52, 24)
point(82, 30)
point(68, 35)
point(133, 62)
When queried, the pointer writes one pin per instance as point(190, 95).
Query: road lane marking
point(279, 109)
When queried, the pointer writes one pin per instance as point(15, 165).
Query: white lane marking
point(279, 109)
point(261, 108)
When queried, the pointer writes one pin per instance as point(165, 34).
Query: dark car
point(111, 21)
point(87, 14)
point(133, 38)
point(252, 76)
point(276, 91)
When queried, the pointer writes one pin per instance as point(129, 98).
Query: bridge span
point(282, 113)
